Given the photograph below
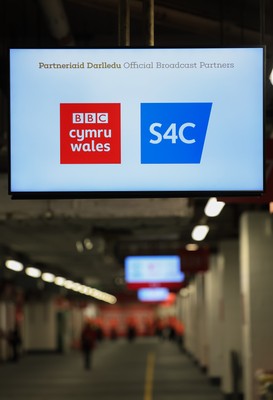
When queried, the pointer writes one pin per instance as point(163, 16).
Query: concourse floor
point(146, 369)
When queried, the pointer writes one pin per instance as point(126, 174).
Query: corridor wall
point(256, 255)
point(7, 322)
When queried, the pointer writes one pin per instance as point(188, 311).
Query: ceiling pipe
point(180, 20)
point(57, 21)
point(124, 23)
point(149, 18)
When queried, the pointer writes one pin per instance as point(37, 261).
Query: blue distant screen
point(153, 271)
point(151, 121)
point(153, 294)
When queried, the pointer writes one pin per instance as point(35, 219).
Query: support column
point(213, 305)
point(40, 326)
point(201, 350)
point(3, 332)
point(232, 317)
point(189, 318)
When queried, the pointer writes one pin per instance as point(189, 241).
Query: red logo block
point(90, 133)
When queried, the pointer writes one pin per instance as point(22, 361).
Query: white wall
point(76, 325)
point(191, 311)
point(256, 262)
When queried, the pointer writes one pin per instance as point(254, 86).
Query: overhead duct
point(57, 21)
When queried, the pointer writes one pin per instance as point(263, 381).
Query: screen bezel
point(138, 193)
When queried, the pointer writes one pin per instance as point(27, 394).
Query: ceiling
point(46, 232)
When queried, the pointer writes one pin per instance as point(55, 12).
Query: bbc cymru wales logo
point(173, 133)
point(90, 133)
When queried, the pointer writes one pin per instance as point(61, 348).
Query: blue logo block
point(173, 133)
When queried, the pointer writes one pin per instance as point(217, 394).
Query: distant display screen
point(133, 122)
point(153, 294)
point(153, 271)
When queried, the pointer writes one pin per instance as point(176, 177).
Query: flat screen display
point(153, 294)
point(153, 271)
point(129, 122)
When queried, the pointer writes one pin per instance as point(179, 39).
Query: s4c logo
point(173, 133)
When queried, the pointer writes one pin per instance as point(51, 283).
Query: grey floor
point(119, 372)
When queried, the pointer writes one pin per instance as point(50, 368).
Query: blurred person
point(15, 342)
point(149, 329)
point(159, 326)
point(99, 333)
point(131, 332)
point(113, 333)
point(180, 332)
point(172, 322)
point(131, 328)
point(88, 343)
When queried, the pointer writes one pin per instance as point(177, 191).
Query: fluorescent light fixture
point(48, 277)
point(96, 294)
point(88, 244)
point(33, 272)
point(68, 284)
point(59, 280)
point(14, 265)
point(191, 247)
point(76, 286)
point(89, 291)
point(112, 299)
point(79, 246)
point(214, 207)
point(271, 77)
point(99, 295)
point(107, 298)
point(199, 232)
point(83, 290)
